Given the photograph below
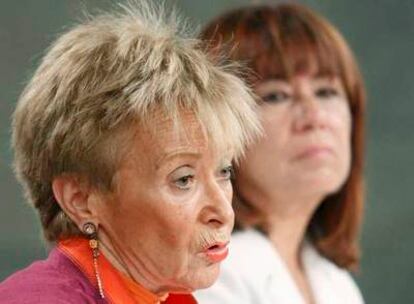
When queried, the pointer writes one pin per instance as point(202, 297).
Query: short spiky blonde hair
point(104, 76)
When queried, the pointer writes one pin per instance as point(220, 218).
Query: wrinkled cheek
point(178, 261)
point(173, 254)
point(172, 239)
point(175, 237)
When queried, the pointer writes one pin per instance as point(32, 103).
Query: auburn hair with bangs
point(281, 41)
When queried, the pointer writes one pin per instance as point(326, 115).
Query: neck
point(287, 234)
point(286, 223)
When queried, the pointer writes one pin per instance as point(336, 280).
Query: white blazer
point(254, 273)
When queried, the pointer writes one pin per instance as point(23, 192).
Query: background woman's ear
point(74, 197)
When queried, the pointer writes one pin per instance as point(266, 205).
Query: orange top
point(118, 289)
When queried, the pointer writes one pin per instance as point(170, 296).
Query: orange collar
point(117, 287)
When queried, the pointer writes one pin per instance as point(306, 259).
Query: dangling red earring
point(91, 231)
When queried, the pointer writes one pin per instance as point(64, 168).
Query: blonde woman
point(123, 140)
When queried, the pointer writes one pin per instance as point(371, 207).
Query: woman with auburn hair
point(123, 140)
point(299, 190)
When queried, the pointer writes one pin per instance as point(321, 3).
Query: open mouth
point(217, 252)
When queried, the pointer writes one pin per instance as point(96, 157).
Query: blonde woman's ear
point(74, 198)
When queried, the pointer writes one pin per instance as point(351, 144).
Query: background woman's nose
point(309, 114)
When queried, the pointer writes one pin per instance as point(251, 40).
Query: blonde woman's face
point(306, 149)
point(171, 217)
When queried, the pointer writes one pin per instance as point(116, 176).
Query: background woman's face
point(306, 148)
point(172, 205)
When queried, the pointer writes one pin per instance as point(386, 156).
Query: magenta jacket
point(55, 280)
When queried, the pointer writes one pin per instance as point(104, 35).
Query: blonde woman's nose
point(217, 210)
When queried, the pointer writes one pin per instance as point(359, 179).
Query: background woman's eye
point(184, 182)
point(274, 97)
point(227, 172)
point(326, 92)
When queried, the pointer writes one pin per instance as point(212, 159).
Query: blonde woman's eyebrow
point(170, 156)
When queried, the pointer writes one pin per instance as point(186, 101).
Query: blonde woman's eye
point(183, 177)
point(327, 92)
point(227, 172)
point(184, 182)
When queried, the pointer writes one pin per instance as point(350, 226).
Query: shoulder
point(325, 275)
point(54, 280)
point(345, 285)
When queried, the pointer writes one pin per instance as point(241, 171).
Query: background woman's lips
point(314, 151)
point(217, 252)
